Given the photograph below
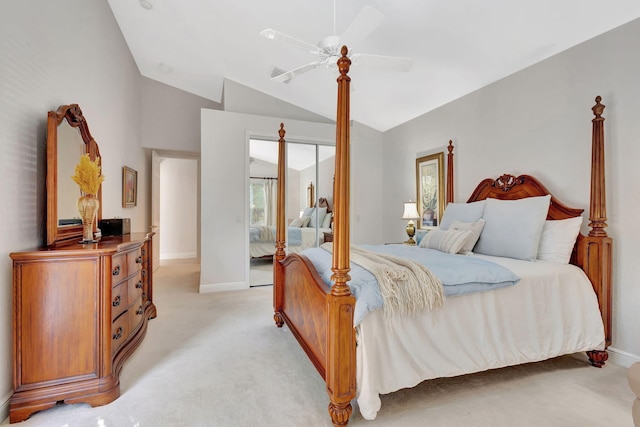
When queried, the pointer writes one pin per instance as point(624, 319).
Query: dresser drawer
point(134, 261)
point(118, 267)
point(119, 299)
point(134, 287)
point(136, 312)
point(119, 332)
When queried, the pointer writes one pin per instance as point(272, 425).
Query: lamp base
point(411, 231)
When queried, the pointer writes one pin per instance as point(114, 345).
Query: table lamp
point(410, 213)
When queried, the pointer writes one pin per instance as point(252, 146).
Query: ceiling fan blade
point(367, 20)
point(285, 77)
point(292, 41)
point(384, 63)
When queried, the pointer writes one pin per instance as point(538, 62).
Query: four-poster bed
point(321, 315)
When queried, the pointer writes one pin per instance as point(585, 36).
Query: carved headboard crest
point(506, 182)
point(510, 187)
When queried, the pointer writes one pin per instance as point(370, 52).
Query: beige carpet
point(218, 360)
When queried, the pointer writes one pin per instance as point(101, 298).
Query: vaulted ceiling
point(457, 46)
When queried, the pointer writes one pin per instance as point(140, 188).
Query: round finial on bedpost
point(598, 108)
point(282, 132)
point(344, 62)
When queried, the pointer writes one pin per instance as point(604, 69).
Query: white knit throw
point(407, 287)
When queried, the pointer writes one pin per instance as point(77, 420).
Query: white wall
point(170, 117)
point(538, 121)
point(242, 99)
point(178, 208)
point(54, 53)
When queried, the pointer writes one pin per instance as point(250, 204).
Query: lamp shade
point(410, 210)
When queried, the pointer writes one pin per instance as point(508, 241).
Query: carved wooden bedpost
point(449, 173)
point(595, 249)
point(341, 356)
point(278, 279)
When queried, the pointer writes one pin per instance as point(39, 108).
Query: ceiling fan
point(328, 49)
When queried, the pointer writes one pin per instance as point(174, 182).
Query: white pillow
point(465, 212)
point(300, 222)
point(326, 222)
point(513, 227)
point(474, 227)
point(317, 216)
point(558, 239)
point(449, 241)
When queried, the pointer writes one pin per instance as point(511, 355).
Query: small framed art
point(129, 187)
point(430, 187)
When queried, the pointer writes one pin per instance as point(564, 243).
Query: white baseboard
point(222, 287)
point(183, 255)
point(622, 358)
point(4, 406)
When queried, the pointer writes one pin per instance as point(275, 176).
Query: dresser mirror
point(68, 137)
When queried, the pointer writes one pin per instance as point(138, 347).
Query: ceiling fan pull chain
point(335, 31)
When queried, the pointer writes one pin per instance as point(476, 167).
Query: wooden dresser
point(78, 312)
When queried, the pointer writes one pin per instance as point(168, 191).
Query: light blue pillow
point(463, 212)
point(419, 235)
point(513, 227)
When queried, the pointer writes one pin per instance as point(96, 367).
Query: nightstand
point(328, 236)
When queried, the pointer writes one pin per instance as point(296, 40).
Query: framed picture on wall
point(430, 188)
point(129, 187)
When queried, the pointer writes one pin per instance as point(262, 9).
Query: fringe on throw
point(407, 287)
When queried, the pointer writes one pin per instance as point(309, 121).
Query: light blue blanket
point(294, 235)
point(459, 274)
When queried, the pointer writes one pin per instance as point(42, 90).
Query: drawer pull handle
point(139, 311)
point(118, 333)
point(116, 301)
point(116, 270)
point(139, 260)
point(139, 285)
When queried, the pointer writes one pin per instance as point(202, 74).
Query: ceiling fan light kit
point(328, 49)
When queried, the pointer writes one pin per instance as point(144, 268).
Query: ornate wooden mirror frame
point(73, 115)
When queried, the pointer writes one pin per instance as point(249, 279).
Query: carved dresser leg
point(340, 413)
point(598, 357)
point(278, 319)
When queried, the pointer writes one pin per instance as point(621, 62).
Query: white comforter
point(260, 249)
point(553, 310)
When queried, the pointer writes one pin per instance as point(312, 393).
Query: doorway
point(175, 207)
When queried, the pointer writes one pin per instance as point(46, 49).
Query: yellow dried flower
point(88, 175)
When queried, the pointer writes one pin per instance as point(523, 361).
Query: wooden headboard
point(509, 187)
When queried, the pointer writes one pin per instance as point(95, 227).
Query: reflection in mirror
point(314, 165)
point(70, 148)
point(68, 137)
